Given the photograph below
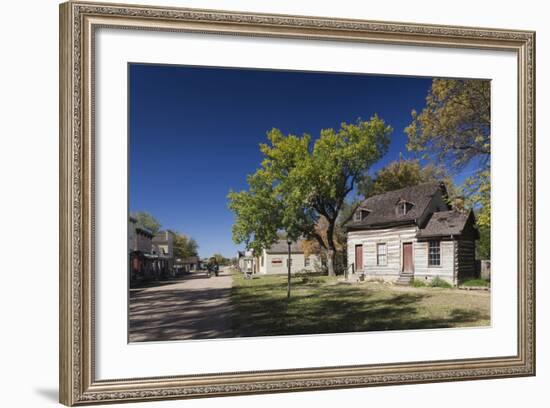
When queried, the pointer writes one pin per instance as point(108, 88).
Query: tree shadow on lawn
point(263, 310)
point(336, 310)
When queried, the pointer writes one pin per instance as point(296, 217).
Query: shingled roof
point(281, 247)
point(445, 224)
point(382, 207)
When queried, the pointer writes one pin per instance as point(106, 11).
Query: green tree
point(220, 259)
point(301, 181)
point(407, 173)
point(454, 128)
point(478, 197)
point(455, 125)
point(184, 246)
point(147, 221)
point(257, 213)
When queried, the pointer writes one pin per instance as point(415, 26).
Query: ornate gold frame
point(78, 20)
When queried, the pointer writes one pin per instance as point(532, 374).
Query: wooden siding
point(444, 271)
point(277, 263)
point(392, 237)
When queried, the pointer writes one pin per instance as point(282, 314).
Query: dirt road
point(192, 307)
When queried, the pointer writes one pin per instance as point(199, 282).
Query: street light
point(289, 242)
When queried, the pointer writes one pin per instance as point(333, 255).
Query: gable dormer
point(411, 204)
point(402, 207)
point(361, 214)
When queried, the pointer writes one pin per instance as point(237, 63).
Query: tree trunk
point(330, 262)
point(331, 248)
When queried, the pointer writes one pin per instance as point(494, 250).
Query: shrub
point(417, 283)
point(309, 277)
point(305, 273)
point(437, 282)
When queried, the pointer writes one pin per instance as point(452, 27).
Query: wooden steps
point(405, 279)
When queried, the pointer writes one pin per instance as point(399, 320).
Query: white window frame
point(438, 254)
point(379, 254)
point(360, 214)
point(403, 207)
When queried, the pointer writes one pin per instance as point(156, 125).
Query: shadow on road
point(195, 307)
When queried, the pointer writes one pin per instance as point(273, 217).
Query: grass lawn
point(476, 282)
point(320, 304)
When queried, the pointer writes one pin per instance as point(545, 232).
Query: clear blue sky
point(194, 133)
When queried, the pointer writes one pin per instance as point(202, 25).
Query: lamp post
point(289, 242)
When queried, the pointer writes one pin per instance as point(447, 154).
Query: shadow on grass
point(316, 308)
point(259, 307)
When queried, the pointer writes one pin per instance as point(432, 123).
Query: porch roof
point(445, 223)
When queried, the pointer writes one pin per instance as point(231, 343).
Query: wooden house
point(247, 262)
point(274, 260)
point(411, 233)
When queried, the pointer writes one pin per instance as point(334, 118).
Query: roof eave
point(283, 252)
point(379, 225)
point(439, 236)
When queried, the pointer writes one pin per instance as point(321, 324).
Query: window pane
point(381, 254)
point(434, 253)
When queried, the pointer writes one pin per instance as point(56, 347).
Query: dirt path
point(193, 307)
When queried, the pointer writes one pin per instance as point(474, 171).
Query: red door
point(408, 258)
point(359, 258)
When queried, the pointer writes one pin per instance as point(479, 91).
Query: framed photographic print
point(256, 203)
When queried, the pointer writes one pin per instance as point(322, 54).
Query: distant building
point(142, 261)
point(246, 262)
point(274, 260)
point(164, 242)
point(190, 264)
point(163, 247)
point(132, 236)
